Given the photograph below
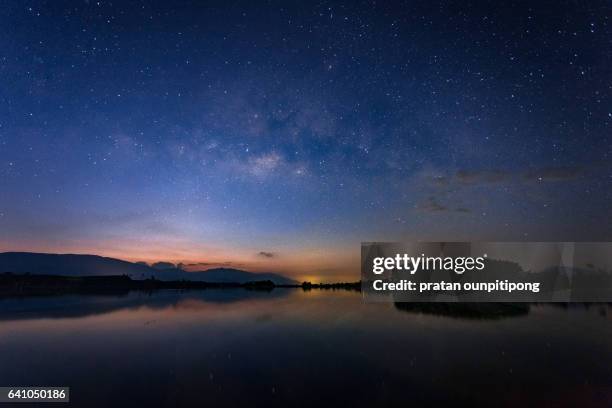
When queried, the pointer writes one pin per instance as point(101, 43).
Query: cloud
point(432, 205)
point(452, 187)
point(266, 254)
point(481, 176)
point(200, 266)
point(470, 177)
point(554, 174)
point(463, 210)
point(440, 180)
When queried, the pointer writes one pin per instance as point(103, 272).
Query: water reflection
point(301, 348)
point(480, 311)
point(80, 305)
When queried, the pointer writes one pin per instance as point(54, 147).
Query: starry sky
point(278, 135)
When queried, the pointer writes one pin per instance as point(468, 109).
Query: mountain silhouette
point(94, 265)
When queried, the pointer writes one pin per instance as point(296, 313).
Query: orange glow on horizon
point(302, 264)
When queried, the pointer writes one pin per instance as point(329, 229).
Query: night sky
point(279, 135)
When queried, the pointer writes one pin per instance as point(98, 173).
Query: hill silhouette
point(94, 265)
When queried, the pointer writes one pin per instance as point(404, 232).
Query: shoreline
point(29, 284)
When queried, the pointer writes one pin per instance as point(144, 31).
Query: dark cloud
point(465, 178)
point(463, 210)
point(489, 176)
point(266, 254)
point(554, 174)
point(197, 266)
point(432, 205)
point(481, 176)
point(440, 180)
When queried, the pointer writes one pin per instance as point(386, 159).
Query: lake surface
point(294, 348)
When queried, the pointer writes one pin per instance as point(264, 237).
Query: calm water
point(288, 348)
